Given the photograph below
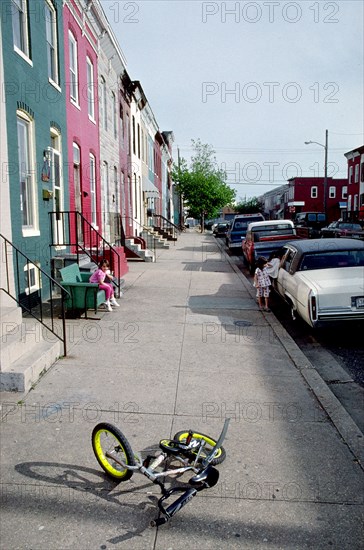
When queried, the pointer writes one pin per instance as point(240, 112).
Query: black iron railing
point(32, 289)
point(131, 229)
point(72, 229)
point(165, 225)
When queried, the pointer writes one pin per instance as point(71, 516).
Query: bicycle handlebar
point(209, 458)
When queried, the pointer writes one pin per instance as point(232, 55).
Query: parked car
point(343, 229)
point(208, 224)
point(237, 230)
point(322, 280)
point(309, 224)
point(221, 229)
point(264, 238)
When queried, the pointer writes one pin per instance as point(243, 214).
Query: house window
point(362, 172)
point(344, 192)
point(121, 115)
point(133, 132)
point(356, 200)
point(113, 114)
point(103, 104)
point(73, 68)
point(138, 140)
point(314, 192)
point(122, 192)
point(356, 178)
point(77, 176)
point(90, 90)
point(117, 191)
point(32, 281)
point(26, 171)
point(52, 46)
point(20, 26)
point(351, 174)
point(93, 189)
point(126, 134)
point(332, 192)
point(105, 188)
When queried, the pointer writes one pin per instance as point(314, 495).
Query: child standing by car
point(262, 283)
point(272, 267)
point(99, 277)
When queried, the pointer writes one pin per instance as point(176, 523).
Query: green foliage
point(202, 184)
point(249, 206)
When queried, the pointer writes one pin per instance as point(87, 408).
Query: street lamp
point(325, 175)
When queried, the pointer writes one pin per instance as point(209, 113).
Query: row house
point(34, 95)
point(167, 187)
point(355, 207)
point(307, 195)
point(83, 125)
point(151, 164)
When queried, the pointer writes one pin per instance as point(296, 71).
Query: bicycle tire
point(106, 437)
point(210, 443)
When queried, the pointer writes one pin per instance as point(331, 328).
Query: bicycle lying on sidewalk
point(197, 452)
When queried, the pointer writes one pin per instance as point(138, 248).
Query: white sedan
point(323, 280)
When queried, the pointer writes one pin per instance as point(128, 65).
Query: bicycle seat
point(169, 446)
point(208, 477)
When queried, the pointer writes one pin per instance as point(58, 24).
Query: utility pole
point(325, 176)
point(181, 213)
point(325, 173)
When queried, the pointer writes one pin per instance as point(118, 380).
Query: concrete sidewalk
point(187, 348)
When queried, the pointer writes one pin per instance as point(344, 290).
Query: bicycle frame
point(149, 471)
point(206, 475)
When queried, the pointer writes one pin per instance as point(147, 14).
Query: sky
point(254, 79)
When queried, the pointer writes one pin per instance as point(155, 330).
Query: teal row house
point(34, 92)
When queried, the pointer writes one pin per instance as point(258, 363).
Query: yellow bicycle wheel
point(209, 444)
point(108, 439)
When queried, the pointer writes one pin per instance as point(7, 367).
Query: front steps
point(27, 351)
point(159, 241)
point(135, 252)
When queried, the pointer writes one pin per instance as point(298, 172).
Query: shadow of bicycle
point(70, 484)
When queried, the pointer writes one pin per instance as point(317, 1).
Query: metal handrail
point(132, 228)
point(94, 245)
point(165, 225)
point(28, 307)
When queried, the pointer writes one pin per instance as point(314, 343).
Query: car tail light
point(313, 305)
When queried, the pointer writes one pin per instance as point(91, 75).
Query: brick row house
point(306, 195)
point(355, 209)
point(344, 197)
point(83, 159)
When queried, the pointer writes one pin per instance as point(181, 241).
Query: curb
point(340, 418)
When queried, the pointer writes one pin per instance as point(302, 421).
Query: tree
point(202, 184)
point(249, 206)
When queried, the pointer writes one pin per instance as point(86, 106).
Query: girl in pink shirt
point(99, 276)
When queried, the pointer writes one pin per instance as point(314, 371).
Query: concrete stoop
point(159, 241)
point(145, 255)
point(28, 350)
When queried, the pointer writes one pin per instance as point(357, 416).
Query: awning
point(149, 189)
point(343, 204)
